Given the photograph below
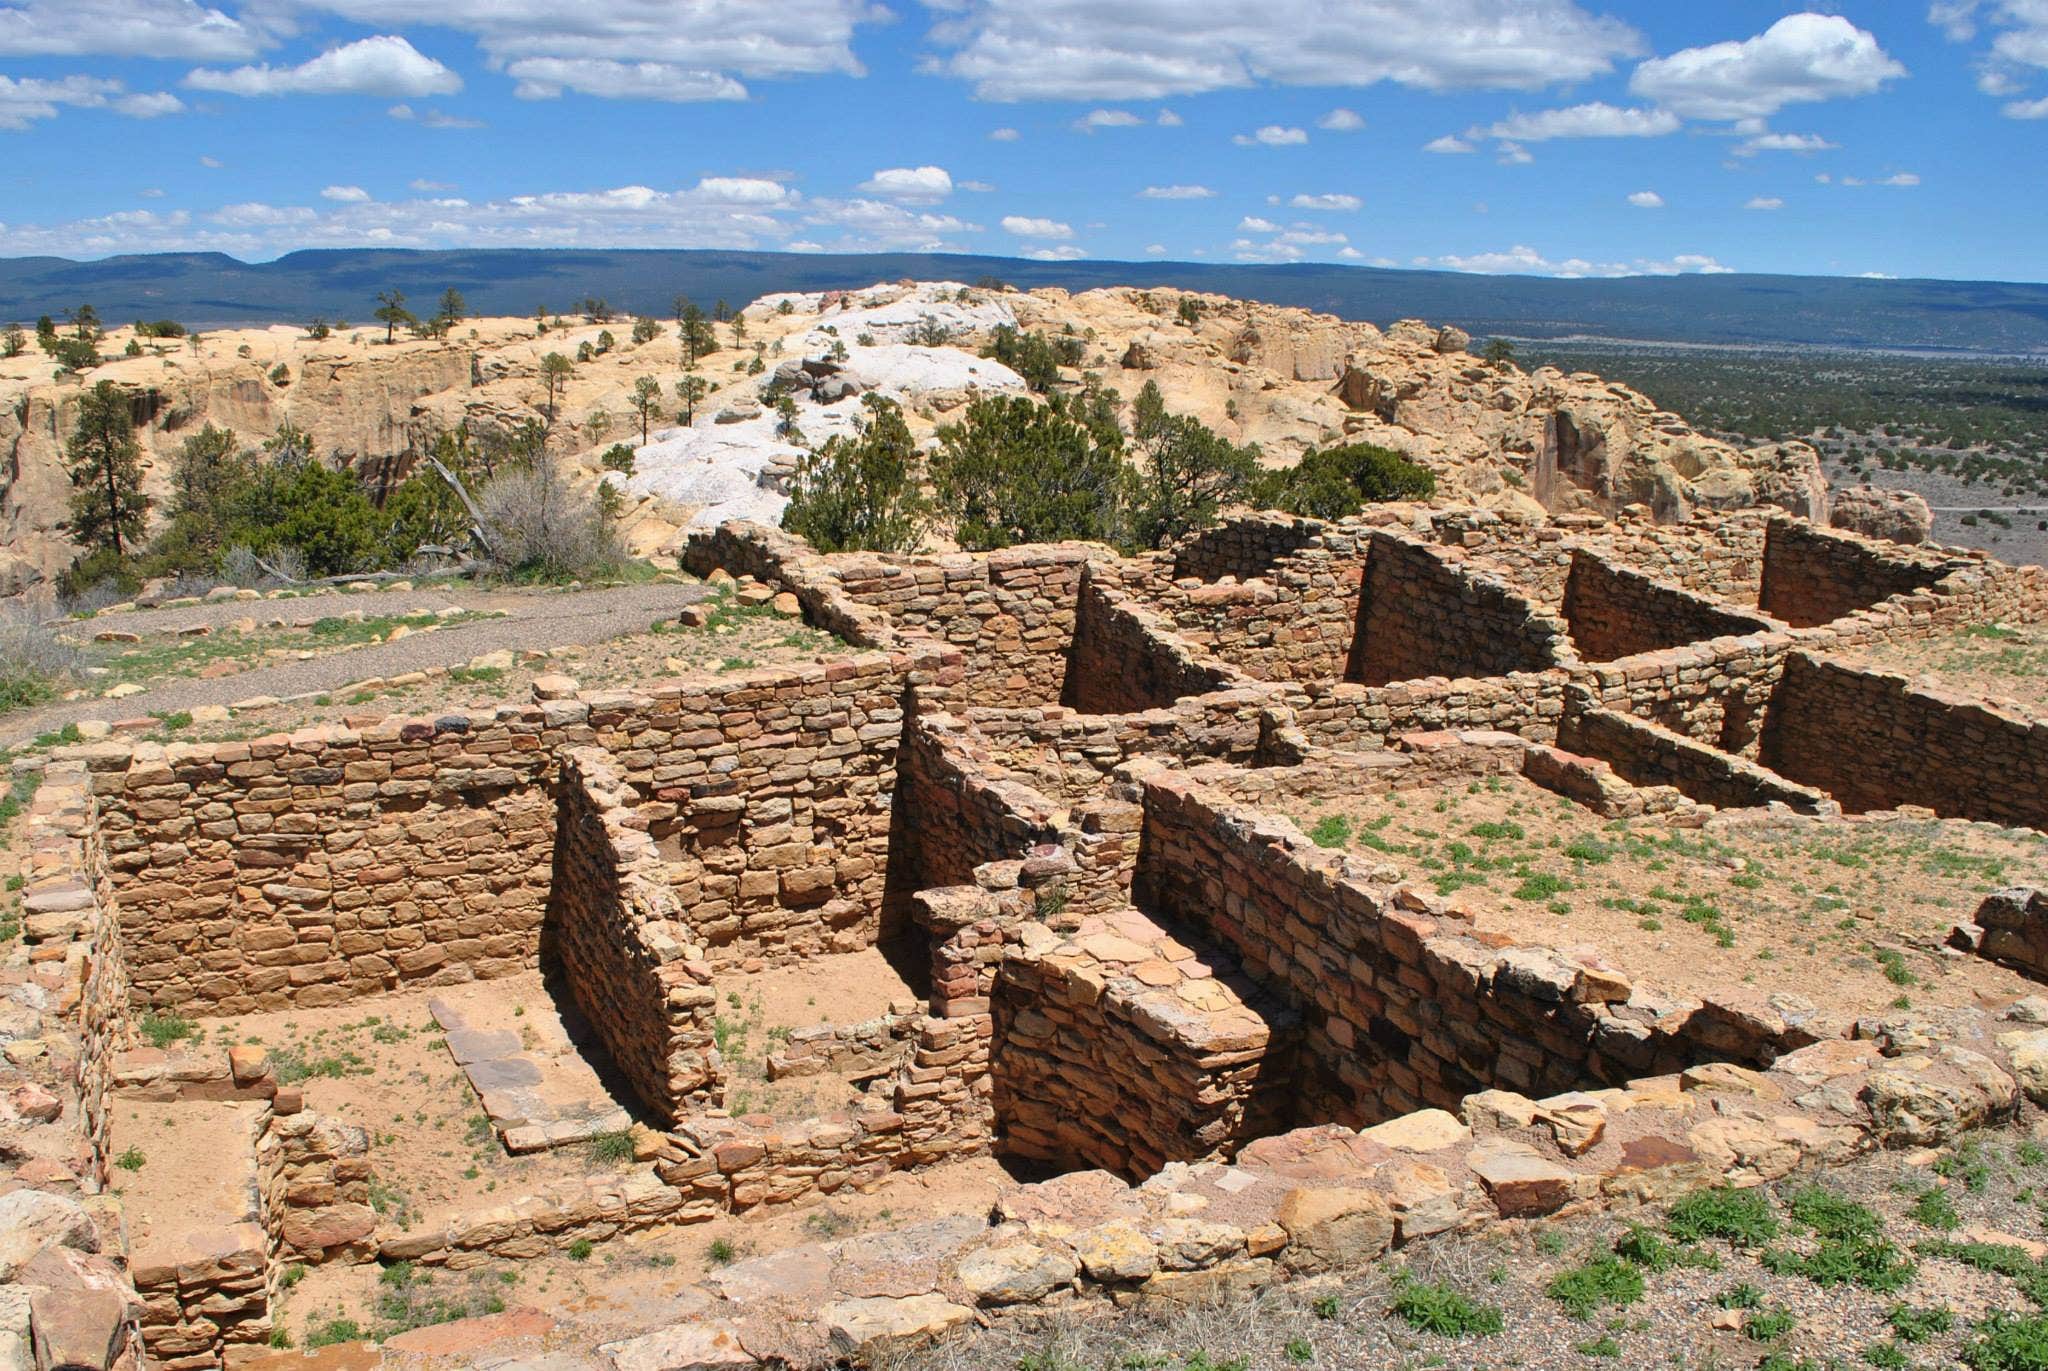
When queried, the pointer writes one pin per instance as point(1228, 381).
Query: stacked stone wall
point(1713, 692)
point(1420, 615)
point(1646, 754)
point(1244, 547)
point(1401, 1010)
point(1872, 741)
point(1814, 576)
point(314, 868)
point(1616, 612)
point(1527, 703)
point(1124, 659)
point(619, 940)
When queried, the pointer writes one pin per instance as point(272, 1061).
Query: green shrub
point(1743, 1217)
point(1918, 1325)
point(1330, 483)
point(1437, 1308)
point(1332, 830)
point(164, 1029)
point(1608, 1281)
point(1768, 1325)
point(2007, 1342)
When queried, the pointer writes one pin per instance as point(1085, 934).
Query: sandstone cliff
point(1286, 379)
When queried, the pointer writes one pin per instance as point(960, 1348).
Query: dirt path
point(531, 620)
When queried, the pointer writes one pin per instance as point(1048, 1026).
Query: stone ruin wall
point(1647, 754)
point(1413, 1014)
point(1617, 612)
point(618, 938)
point(1873, 742)
point(315, 869)
point(1122, 662)
point(1420, 615)
point(1400, 1010)
point(1814, 576)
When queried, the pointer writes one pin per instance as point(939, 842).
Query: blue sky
point(1888, 137)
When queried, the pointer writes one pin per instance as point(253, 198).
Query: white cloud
point(1341, 120)
point(1449, 143)
point(1024, 227)
point(1245, 250)
point(1352, 253)
point(1595, 120)
point(2026, 109)
point(1107, 119)
point(1254, 224)
point(1522, 260)
point(912, 185)
point(1169, 120)
point(1646, 199)
point(1326, 202)
point(1764, 202)
point(1004, 135)
point(546, 78)
point(1802, 57)
point(213, 163)
point(1176, 193)
point(1273, 136)
point(152, 193)
point(383, 65)
point(157, 29)
point(426, 187)
point(26, 100)
point(1310, 238)
point(1155, 249)
point(2018, 49)
point(1514, 155)
point(347, 195)
point(1901, 179)
point(1877, 275)
point(1086, 50)
point(1066, 252)
point(1783, 142)
point(979, 187)
point(150, 105)
point(431, 118)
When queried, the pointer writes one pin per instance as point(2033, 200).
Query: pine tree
point(108, 508)
point(860, 493)
point(646, 400)
point(391, 312)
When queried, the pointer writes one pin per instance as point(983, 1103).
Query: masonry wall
point(1124, 659)
point(1528, 703)
point(771, 798)
point(1873, 742)
point(1713, 692)
point(1813, 575)
point(1400, 1011)
point(1615, 612)
point(314, 868)
point(1009, 613)
point(618, 938)
point(1419, 615)
point(1244, 546)
point(1646, 754)
point(1096, 1071)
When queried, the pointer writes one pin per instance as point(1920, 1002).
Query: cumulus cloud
point(1272, 136)
point(1513, 155)
point(1596, 120)
point(1155, 249)
point(1176, 193)
point(382, 65)
point(1169, 120)
point(1646, 199)
point(1107, 119)
point(1065, 252)
point(1341, 120)
point(1251, 223)
point(1326, 202)
point(1801, 58)
point(912, 185)
point(1004, 135)
point(546, 78)
point(1764, 202)
point(1449, 143)
point(1084, 50)
point(2018, 49)
point(1026, 227)
point(25, 101)
point(173, 29)
point(979, 187)
point(426, 187)
point(1783, 142)
point(432, 118)
point(347, 195)
point(1522, 260)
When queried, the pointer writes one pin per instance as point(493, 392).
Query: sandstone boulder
point(1897, 516)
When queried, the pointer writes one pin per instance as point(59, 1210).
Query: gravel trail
point(532, 621)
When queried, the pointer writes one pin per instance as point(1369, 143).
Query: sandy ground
point(183, 1165)
point(2000, 661)
point(757, 1011)
point(1848, 914)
